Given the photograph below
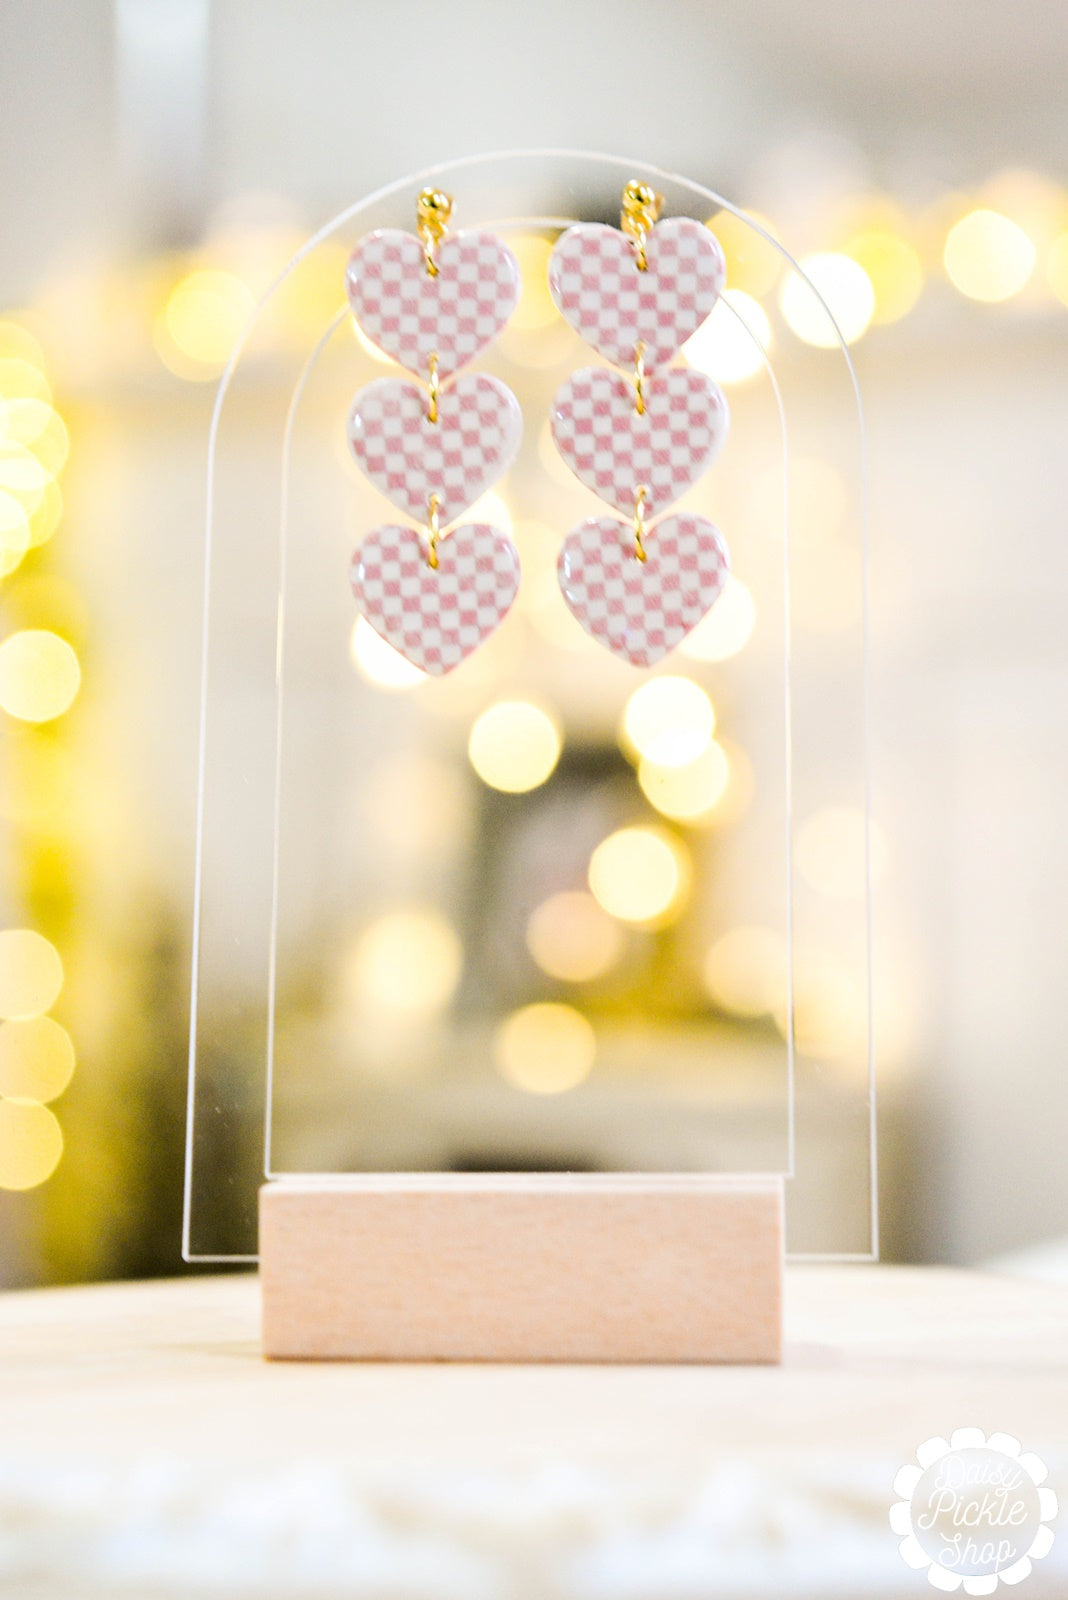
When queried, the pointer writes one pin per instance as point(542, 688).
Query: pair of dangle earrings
point(639, 433)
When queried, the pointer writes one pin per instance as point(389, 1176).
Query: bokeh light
point(988, 257)
point(745, 971)
point(729, 344)
point(669, 720)
point(23, 379)
point(21, 474)
point(641, 875)
point(14, 532)
point(378, 662)
point(753, 262)
point(893, 268)
point(36, 1059)
point(31, 973)
point(831, 852)
point(514, 746)
point(1057, 267)
point(545, 1048)
point(39, 427)
point(830, 1015)
point(31, 1144)
point(727, 629)
point(572, 938)
point(39, 675)
point(407, 964)
point(847, 291)
point(690, 793)
point(535, 308)
point(205, 315)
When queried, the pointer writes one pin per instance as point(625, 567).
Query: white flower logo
point(973, 1511)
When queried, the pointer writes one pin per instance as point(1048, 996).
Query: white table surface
point(147, 1450)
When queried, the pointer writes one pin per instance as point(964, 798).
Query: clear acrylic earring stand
point(734, 1042)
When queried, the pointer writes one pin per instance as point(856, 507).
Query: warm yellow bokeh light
point(729, 345)
point(545, 1048)
point(830, 1008)
point(727, 629)
point(894, 270)
point(547, 610)
point(31, 1144)
point(36, 1059)
point(535, 308)
point(669, 720)
point(377, 661)
point(745, 971)
point(407, 964)
point(494, 509)
point(846, 291)
point(205, 315)
point(44, 518)
point(21, 474)
point(832, 854)
point(1057, 267)
point(572, 938)
point(753, 262)
point(31, 974)
point(20, 379)
point(641, 875)
point(988, 257)
point(39, 675)
point(39, 427)
point(14, 526)
point(18, 342)
point(690, 793)
point(514, 746)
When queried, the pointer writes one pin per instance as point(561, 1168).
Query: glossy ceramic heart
point(640, 610)
point(411, 315)
point(458, 457)
point(597, 285)
point(613, 449)
point(435, 616)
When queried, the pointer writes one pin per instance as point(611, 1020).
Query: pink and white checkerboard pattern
point(613, 450)
point(598, 287)
point(458, 457)
point(435, 616)
point(640, 610)
point(411, 315)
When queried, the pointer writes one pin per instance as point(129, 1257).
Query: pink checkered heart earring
point(433, 303)
point(636, 294)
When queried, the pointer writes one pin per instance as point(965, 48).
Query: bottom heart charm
point(435, 616)
point(642, 609)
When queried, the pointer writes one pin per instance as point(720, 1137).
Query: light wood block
point(523, 1268)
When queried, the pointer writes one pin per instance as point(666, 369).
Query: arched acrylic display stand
point(666, 1240)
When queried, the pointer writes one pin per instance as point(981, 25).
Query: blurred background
point(533, 917)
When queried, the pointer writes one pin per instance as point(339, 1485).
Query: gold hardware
point(432, 530)
point(639, 521)
point(641, 208)
point(639, 378)
point(432, 411)
point(432, 209)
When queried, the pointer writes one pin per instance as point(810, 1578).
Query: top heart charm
point(412, 316)
point(597, 285)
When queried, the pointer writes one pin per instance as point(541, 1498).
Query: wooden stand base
point(523, 1268)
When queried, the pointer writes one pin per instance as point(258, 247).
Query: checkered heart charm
point(598, 287)
point(411, 315)
point(642, 609)
point(435, 616)
point(458, 457)
point(613, 449)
